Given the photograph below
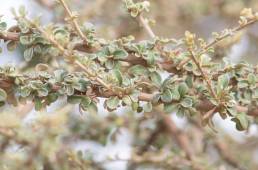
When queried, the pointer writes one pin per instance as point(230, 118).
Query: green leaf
point(85, 102)
point(127, 100)
point(111, 49)
point(42, 92)
point(135, 106)
point(112, 102)
point(26, 39)
point(189, 67)
point(120, 54)
point(187, 102)
point(3, 26)
point(2, 104)
point(255, 93)
point(24, 26)
point(59, 75)
point(139, 109)
point(62, 36)
point(36, 84)
point(102, 55)
point(11, 46)
point(134, 12)
point(92, 108)
point(242, 84)
point(150, 58)
point(110, 64)
point(52, 97)
point(223, 81)
point(182, 89)
point(24, 91)
point(22, 11)
point(3, 95)
point(156, 78)
point(118, 76)
point(189, 81)
point(79, 86)
point(241, 121)
point(180, 112)
point(37, 49)
point(74, 99)
point(69, 90)
point(170, 108)
point(251, 78)
point(135, 96)
point(175, 94)
point(53, 51)
point(38, 104)
point(138, 70)
point(28, 54)
point(166, 96)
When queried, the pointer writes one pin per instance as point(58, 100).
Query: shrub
point(153, 77)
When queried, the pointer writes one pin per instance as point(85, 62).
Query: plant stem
point(72, 17)
point(216, 40)
point(146, 26)
point(64, 52)
point(208, 82)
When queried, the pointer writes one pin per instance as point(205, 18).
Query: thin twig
point(217, 40)
point(234, 30)
point(226, 156)
point(69, 54)
point(72, 17)
point(208, 81)
point(97, 78)
point(146, 26)
point(180, 137)
point(151, 138)
point(208, 115)
point(222, 148)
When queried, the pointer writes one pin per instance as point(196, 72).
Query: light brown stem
point(205, 77)
point(146, 26)
point(69, 54)
point(216, 40)
point(226, 156)
point(180, 137)
point(73, 20)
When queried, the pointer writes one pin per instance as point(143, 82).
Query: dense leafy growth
point(155, 75)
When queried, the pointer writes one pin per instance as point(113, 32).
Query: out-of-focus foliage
point(139, 81)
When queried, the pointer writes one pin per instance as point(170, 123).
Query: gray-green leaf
point(241, 121)
point(118, 76)
point(187, 102)
point(127, 100)
point(156, 78)
point(120, 54)
point(223, 81)
point(138, 70)
point(182, 89)
point(251, 78)
point(112, 102)
point(28, 54)
point(169, 108)
point(3, 95)
point(166, 96)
